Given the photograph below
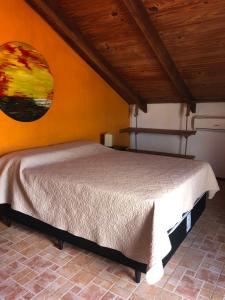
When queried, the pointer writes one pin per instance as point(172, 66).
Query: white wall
point(205, 145)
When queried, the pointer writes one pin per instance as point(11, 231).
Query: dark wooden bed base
point(176, 237)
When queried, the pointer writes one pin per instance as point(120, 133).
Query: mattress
point(120, 200)
point(184, 216)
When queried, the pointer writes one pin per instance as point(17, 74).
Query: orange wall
point(83, 105)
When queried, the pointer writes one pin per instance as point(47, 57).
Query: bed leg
point(8, 221)
point(137, 276)
point(60, 244)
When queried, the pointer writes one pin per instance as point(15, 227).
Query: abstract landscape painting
point(26, 83)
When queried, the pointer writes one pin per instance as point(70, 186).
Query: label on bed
point(188, 222)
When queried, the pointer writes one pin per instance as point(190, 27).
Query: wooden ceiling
point(150, 51)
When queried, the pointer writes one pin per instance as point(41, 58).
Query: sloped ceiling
point(191, 42)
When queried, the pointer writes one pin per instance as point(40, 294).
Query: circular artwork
point(26, 83)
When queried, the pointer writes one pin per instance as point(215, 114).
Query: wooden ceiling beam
point(140, 16)
point(80, 44)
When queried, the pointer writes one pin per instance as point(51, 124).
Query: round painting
point(26, 83)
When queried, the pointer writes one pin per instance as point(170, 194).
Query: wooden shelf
point(162, 153)
point(120, 148)
point(184, 133)
point(158, 131)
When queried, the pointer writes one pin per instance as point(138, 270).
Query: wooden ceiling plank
point(144, 23)
point(79, 43)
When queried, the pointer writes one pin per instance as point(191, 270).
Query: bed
point(119, 204)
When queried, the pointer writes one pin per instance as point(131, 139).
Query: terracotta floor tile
point(10, 270)
point(46, 278)
point(125, 273)
point(169, 268)
point(44, 294)
point(3, 275)
point(16, 291)
point(136, 297)
point(220, 220)
point(4, 285)
point(76, 289)
point(169, 287)
point(50, 252)
point(219, 294)
point(210, 246)
point(60, 260)
point(108, 276)
point(28, 296)
point(113, 267)
point(210, 256)
point(187, 242)
point(36, 236)
point(176, 275)
point(189, 287)
point(38, 263)
point(71, 249)
point(82, 278)
point(103, 283)
point(83, 259)
point(220, 238)
point(109, 296)
point(162, 281)
point(222, 247)
point(54, 267)
point(165, 295)
point(3, 250)
point(3, 240)
point(96, 266)
point(207, 290)
point(221, 281)
point(147, 291)
point(190, 273)
point(69, 269)
point(62, 289)
point(30, 251)
point(10, 253)
point(69, 296)
point(22, 259)
point(10, 257)
point(183, 249)
point(207, 275)
point(20, 245)
point(92, 292)
point(192, 259)
point(12, 236)
point(34, 287)
point(19, 275)
point(212, 264)
point(202, 298)
point(59, 257)
point(220, 256)
point(211, 230)
point(123, 288)
point(27, 278)
point(52, 288)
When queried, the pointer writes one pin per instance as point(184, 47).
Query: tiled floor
point(31, 267)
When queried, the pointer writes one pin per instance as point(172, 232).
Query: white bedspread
point(121, 200)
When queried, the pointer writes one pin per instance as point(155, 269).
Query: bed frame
point(176, 237)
